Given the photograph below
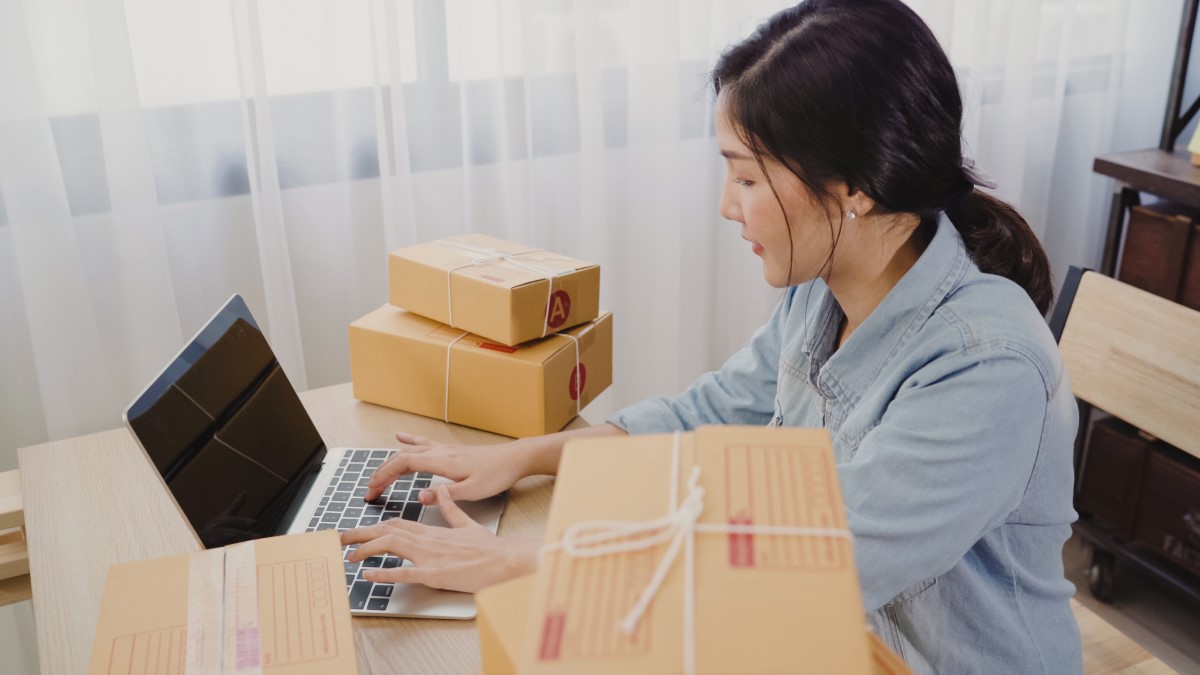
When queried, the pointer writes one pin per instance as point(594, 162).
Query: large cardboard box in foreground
point(399, 359)
point(504, 617)
point(278, 604)
point(762, 603)
point(505, 292)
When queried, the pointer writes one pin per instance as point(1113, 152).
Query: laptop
point(235, 447)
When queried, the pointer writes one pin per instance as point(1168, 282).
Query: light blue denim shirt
point(953, 425)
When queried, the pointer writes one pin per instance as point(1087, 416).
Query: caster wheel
point(1100, 575)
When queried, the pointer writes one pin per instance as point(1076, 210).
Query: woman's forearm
point(542, 453)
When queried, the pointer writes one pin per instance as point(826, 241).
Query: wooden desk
point(95, 500)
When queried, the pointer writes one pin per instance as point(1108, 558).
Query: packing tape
point(222, 612)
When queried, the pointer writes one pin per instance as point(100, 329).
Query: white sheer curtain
point(157, 156)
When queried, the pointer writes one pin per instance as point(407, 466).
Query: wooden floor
point(1145, 611)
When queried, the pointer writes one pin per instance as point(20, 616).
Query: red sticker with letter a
point(558, 310)
point(578, 381)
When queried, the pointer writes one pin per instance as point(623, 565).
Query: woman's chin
point(775, 278)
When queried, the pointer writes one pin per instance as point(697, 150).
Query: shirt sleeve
point(949, 461)
point(741, 392)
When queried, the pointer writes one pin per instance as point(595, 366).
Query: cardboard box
point(504, 616)
point(503, 613)
point(278, 604)
point(398, 359)
point(778, 603)
point(502, 291)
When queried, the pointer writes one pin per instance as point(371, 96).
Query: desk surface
point(95, 500)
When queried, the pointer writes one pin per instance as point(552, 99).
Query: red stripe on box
point(552, 634)
point(741, 545)
point(496, 347)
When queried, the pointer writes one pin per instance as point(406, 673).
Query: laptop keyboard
point(342, 508)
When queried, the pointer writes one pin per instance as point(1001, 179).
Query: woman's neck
point(879, 257)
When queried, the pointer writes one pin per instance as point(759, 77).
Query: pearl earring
point(853, 214)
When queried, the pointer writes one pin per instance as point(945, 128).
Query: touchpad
point(486, 512)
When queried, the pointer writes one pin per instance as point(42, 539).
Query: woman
point(911, 329)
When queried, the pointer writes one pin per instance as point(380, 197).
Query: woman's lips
point(755, 246)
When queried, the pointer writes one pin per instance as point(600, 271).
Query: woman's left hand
point(463, 557)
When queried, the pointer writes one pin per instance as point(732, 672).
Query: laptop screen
point(228, 433)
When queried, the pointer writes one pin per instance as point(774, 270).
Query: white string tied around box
point(491, 256)
point(589, 539)
point(446, 408)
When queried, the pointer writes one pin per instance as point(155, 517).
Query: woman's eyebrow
point(734, 154)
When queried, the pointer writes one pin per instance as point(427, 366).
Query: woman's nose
point(729, 208)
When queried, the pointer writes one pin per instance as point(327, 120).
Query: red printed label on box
point(586, 601)
point(782, 486)
point(558, 310)
point(578, 381)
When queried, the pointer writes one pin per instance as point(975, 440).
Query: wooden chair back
point(1132, 354)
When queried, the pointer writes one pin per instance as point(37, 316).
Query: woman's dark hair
point(860, 92)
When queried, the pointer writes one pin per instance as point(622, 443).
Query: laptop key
point(326, 526)
point(313, 523)
point(361, 455)
point(330, 517)
point(373, 509)
point(351, 567)
point(373, 561)
point(324, 501)
point(375, 463)
point(382, 590)
point(392, 561)
point(359, 594)
point(348, 524)
point(359, 493)
point(423, 474)
point(356, 467)
point(353, 512)
point(341, 496)
point(394, 506)
point(415, 495)
point(367, 520)
point(349, 580)
point(412, 511)
point(389, 515)
point(422, 483)
point(335, 507)
point(377, 604)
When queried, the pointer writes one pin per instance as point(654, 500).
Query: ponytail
point(1002, 243)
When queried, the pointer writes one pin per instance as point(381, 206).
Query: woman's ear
point(854, 199)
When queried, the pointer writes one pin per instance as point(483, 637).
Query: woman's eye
point(743, 182)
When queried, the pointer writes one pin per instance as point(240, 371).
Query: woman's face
point(747, 198)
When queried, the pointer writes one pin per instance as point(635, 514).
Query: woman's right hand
point(478, 471)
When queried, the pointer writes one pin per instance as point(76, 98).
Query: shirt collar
point(853, 368)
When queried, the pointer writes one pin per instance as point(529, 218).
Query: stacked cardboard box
point(788, 601)
point(485, 333)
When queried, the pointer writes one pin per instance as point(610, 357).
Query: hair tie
point(978, 177)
